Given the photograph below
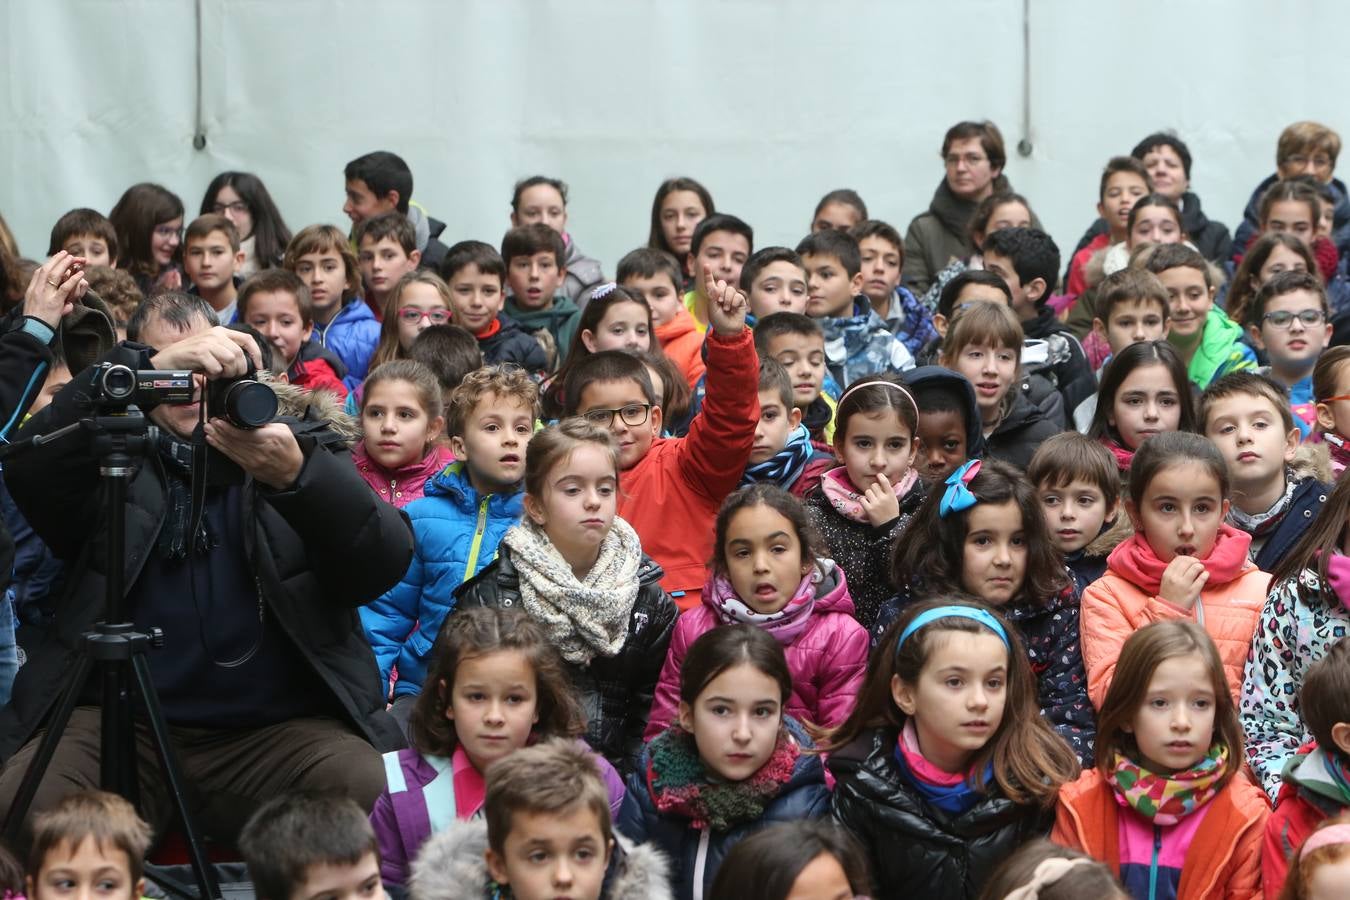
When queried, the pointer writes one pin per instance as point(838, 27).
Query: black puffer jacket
point(318, 551)
point(1020, 432)
point(616, 691)
point(915, 849)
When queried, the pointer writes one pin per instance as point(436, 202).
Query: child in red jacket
point(672, 487)
point(276, 302)
point(1317, 780)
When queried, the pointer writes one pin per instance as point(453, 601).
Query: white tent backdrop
point(770, 103)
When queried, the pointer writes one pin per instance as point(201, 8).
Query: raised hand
point(727, 306)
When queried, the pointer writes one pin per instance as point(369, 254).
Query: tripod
point(119, 651)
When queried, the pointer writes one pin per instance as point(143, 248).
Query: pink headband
point(1335, 834)
point(882, 383)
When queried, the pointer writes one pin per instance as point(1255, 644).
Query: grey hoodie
point(452, 866)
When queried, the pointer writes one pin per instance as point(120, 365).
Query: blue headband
point(983, 616)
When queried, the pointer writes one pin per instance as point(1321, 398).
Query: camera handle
point(119, 650)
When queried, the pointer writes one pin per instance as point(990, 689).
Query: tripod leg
point(118, 763)
point(206, 876)
point(42, 758)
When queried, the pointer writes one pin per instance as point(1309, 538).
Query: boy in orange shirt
point(654, 275)
point(673, 487)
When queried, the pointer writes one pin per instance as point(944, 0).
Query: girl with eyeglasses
point(417, 301)
point(242, 198)
point(148, 220)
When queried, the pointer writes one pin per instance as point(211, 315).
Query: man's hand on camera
point(55, 288)
point(218, 353)
point(270, 454)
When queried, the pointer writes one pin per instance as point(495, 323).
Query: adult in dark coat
point(266, 681)
point(616, 691)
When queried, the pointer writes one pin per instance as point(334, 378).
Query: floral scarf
point(845, 497)
point(681, 784)
point(1167, 799)
point(786, 625)
point(784, 467)
point(586, 618)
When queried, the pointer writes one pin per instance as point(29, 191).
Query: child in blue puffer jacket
point(324, 260)
point(457, 524)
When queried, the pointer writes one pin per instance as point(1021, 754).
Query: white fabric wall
point(768, 102)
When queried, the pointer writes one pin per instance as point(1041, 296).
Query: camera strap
point(200, 479)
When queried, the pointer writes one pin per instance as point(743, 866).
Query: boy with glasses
point(1289, 322)
point(673, 487)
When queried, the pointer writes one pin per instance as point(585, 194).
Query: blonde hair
point(503, 381)
point(389, 348)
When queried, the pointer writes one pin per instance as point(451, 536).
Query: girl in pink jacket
point(401, 424)
point(765, 573)
point(1182, 563)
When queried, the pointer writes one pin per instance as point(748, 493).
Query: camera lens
point(249, 404)
point(119, 383)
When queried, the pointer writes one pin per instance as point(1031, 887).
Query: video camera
point(244, 402)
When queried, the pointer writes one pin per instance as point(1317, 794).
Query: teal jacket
point(560, 320)
point(1221, 350)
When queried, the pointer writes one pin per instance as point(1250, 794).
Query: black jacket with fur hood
point(317, 551)
point(452, 866)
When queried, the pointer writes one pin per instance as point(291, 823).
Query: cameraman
point(266, 677)
point(25, 359)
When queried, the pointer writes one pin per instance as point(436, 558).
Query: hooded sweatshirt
point(583, 274)
point(682, 342)
point(828, 659)
point(560, 320)
point(931, 376)
point(1221, 350)
point(1126, 598)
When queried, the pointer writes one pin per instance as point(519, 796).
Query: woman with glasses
point(242, 198)
point(973, 155)
point(148, 220)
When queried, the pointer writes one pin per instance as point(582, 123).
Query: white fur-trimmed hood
point(451, 866)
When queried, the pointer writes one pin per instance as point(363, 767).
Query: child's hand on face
point(726, 306)
point(1182, 581)
point(879, 501)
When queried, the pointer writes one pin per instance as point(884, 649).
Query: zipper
point(1153, 865)
point(477, 544)
point(701, 862)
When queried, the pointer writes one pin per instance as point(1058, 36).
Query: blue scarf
point(785, 466)
point(955, 798)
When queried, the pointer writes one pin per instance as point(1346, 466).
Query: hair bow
point(957, 495)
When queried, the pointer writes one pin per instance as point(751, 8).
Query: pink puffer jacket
point(828, 660)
